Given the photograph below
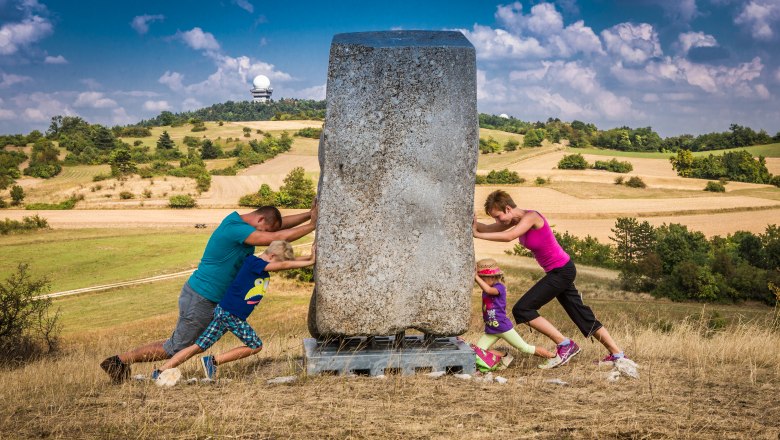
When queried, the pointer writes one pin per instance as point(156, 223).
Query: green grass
point(77, 258)
point(771, 150)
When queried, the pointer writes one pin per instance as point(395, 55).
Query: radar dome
point(261, 82)
point(503, 115)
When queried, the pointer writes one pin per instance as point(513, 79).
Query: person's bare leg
point(145, 353)
point(181, 357)
point(602, 335)
point(544, 327)
point(236, 354)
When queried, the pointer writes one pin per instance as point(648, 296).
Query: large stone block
point(398, 157)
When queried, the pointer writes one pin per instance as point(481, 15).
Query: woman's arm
point(485, 287)
point(492, 227)
point(526, 223)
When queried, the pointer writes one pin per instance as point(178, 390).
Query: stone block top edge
point(387, 39)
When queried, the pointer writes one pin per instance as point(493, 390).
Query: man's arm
point(264, 238)
point(296, 219)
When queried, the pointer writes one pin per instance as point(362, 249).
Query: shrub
point(229, 171)
point(614, 165)
point(203, 182)
point(303, 274)
point(147, 194)
point(541, 181)
point(138, 143)
point(3, 204)
point(619, 180)
point(100, 177)
point(26, 225)
point(65, 205)
point(309, 132)
point(489, 145)
point(636, 182)
point(181, 201)
point(126, 195)
point(28, 329)
point(500, 178)
point(715, 187)
point(297, 191)
point(573, 162)
point(265, 196)
point(511, 145)
point(17, 195)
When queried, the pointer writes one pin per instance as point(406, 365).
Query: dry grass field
point(694, 382)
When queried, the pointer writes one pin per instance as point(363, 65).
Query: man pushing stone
point(233, 240)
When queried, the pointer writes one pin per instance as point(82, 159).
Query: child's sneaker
point(609, 360)
point(209, 366)
point(117, 370)
point(566, 352)
point(155, 374)
point(551, 363)
point(506, 361)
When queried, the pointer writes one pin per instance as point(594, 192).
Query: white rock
point(168, 378)
point(380, 377)
point(436, 374)
point(627, 367)
point(281, 379)
point(501, 380)
point(139, 377)
point(613, 376)
point(462, 376)
point(556, 381)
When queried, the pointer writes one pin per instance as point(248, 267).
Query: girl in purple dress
point(497, 326)
point(534, 233)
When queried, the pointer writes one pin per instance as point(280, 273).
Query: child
point(497, 326)
point(231, 313)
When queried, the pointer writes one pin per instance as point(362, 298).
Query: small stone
point(380, 377)
point(501, 380)
point(613, 376)
point(462, 376)
point(139, 377)
point(282, 379)
point(436, 374)
point(168, 378)
point(556, 381)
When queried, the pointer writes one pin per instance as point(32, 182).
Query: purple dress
point(494, 311)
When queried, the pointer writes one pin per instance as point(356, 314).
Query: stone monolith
point(398, 157)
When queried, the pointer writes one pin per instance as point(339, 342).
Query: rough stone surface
point(398, 157)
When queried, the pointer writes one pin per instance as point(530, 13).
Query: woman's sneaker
point(550, 363)
point(209, 367)
point(566, 352)
point(609, 360)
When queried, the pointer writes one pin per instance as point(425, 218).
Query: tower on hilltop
point(261, 90)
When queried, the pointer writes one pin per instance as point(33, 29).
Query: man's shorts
point(222, 323)
point(195, 314)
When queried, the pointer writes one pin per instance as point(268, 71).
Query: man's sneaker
point(551, 363)
point(609, 360)
point(566, 352)
point(117, 370)
point(209, 366)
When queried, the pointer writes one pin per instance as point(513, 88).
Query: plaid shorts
point(222, 323)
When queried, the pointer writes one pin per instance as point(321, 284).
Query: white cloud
point(14, 36)
point(156, 106)
point(758, 16)
point(245, 5)
point(136, 93)
point(191, 104)
point(314, 92)
point(494, 44)
point(7, 115)
point(173, 80)
point(119, 116)
point(711, 79)
point(684, 10)
point(141, 22)
point(9, 79)
point(59, 59)
point(491, 90)
point(777, 74)
point(633, 43)
point(35, 115)
point(762, 91)
point(94, 100)
point(40, 107)
point(556, 104)
point(91, 83)
point(689, 40)
point(199, 40)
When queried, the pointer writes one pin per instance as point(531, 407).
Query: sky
point(679, 66)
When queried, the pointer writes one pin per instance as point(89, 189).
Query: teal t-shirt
point(223, 257)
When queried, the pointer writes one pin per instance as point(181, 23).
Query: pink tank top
point(542, 243)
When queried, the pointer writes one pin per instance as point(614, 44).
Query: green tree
point(298, 190)
point(682, 163)
point(165, 143)
point(208, 150)
point(17, 195)
point(573, 162)
point(121, 163)
point(533, 138)
point(44, 160)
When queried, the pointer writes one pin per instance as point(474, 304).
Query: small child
point(497, 326)
point(231, 313)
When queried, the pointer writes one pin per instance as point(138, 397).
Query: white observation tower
point(261, 90)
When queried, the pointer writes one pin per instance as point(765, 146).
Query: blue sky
point(682, 66)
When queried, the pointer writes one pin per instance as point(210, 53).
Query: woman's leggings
point(559, 284)
point(515, 340)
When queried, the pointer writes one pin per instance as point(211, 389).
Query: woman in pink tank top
point(534, 233)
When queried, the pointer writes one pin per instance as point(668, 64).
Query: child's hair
point(499, 200)
point(282, 249)
point(488, 268)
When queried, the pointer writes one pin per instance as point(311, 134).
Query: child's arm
point(292, 264)
point(485, 287)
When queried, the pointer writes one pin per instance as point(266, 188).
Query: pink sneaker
point(609, 360)
point(567, 352)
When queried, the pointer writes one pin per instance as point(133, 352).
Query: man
point(234, 239)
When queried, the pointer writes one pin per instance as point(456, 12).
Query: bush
point(65, 205)
point(100, 177)
point(489, 145)
point(265, 196)
point(181, 201)
point(541, 181)
point(147, 194)
point(17, 195)
point(614, 165)
point(636, 182)
point(511, 145)
point(503, 177)
point(26, 225)
point(303, 274)
point(28, 329)
point(573, 162)
point(229, 171)
point(619, 180)
point(203, 182)
point(309, 132)
point(715, 187)
point(126, 195)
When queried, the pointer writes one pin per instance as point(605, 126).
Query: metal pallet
point(397, 354)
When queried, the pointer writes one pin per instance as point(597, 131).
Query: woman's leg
point(526, 310)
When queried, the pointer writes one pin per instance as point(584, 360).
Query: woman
point(534, 233)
